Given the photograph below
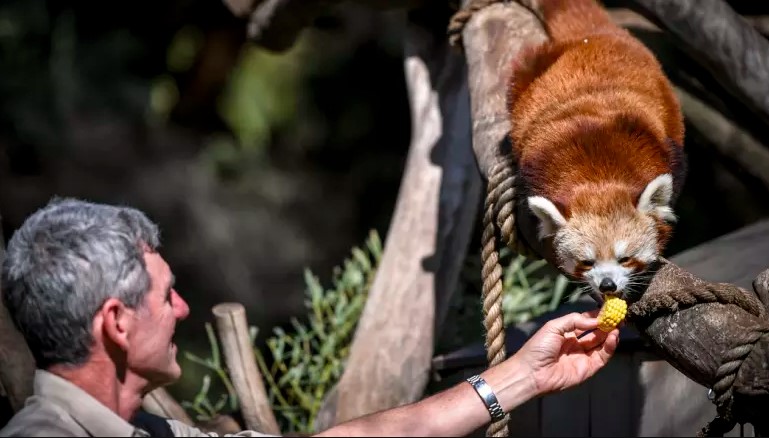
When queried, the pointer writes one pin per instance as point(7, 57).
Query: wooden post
point(238, 351)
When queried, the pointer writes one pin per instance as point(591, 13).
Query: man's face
point(152, 354)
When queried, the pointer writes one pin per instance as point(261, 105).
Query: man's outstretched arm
point(552, 360)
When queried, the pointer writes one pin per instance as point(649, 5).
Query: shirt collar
point(94, 417)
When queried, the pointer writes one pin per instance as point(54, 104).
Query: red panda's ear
point(550, 219)
point(656, 197)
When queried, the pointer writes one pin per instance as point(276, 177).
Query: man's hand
point(558, 360)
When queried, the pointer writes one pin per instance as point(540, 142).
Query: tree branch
point(723, 41)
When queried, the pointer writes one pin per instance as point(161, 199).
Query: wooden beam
point(722, 41)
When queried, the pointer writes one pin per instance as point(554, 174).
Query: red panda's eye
point(587, 262)
point(624, 260)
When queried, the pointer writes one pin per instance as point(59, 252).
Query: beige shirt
point(60, 408)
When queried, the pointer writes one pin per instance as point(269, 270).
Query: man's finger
point(606, 350)
point(592, 339)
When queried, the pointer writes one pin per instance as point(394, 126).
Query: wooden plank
point(525, 420)
point(611, 394)
point(736, 258)
point(673, 404)
point(566, 413)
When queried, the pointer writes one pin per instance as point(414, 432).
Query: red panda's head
point(605, 237)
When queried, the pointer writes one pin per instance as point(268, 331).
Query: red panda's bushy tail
point(570, 19)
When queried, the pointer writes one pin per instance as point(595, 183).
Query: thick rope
point(699, 292)
point(461, 17)
point(725, 377)
point(493, 319)
point(702, 292)
point(499, 213)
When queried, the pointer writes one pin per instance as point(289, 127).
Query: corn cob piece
point(612, 313)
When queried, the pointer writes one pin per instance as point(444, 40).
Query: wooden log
point(723, 345)
point(729, 139)
point(18, 365)
point(492, 38)
point(238, 351)
point(722, 41)
point(161, 403)
point(426, 243)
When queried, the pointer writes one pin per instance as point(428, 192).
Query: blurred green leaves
point(529, 292)
point(262, 95)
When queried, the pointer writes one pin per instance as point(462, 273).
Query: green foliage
point(309, 359)
point(202, 407)
point(529, 293)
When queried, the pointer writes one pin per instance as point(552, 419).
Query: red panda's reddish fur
point(594, 118)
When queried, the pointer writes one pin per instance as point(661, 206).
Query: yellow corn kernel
point(612, 313)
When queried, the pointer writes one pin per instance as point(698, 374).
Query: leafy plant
point(307, 360)
point(529, 293)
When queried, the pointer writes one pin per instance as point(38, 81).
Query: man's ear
point(550, 219)
point(655, 199)
point(116, 320)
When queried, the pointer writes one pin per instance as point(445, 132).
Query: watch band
point(487, 395)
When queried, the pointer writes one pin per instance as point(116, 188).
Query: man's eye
point(624, 260)
point(587, 262)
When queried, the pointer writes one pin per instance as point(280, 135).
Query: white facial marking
point(647, 253)
point(608, 269)
point(589, 253)
point(620, 247)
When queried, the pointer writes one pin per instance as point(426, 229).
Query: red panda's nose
point(607, 285)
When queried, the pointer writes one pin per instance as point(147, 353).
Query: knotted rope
point(462, 16)
point(690, 291)
point(499, 216)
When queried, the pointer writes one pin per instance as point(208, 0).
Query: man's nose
point(607, 285)
point(181, 309)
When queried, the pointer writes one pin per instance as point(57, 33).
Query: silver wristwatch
point(487, 395)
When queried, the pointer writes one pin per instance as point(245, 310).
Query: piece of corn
point(612, 313)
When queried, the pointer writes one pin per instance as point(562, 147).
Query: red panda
point(597, 134)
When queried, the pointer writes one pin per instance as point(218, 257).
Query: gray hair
point(61, 266)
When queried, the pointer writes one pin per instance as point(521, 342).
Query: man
point(96, 304)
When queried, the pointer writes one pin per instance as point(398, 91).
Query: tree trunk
point(428, 236)
point(18, 366)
